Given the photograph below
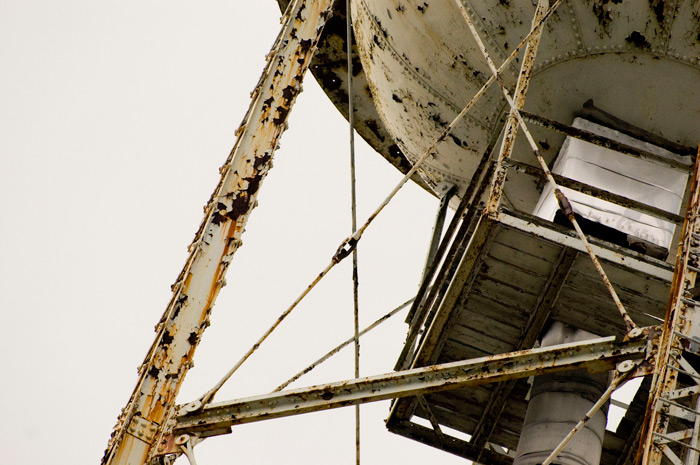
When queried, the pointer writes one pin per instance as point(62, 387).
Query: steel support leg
point(143, 421)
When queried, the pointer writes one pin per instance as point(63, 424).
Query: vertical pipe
point(557, 403)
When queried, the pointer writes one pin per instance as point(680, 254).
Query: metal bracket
point(142, 429)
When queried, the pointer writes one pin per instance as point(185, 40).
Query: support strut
point(142, 423)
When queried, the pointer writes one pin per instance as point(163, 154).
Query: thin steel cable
point(349, 243)
point(563, 201)
point(353, 197)
point(340, 346)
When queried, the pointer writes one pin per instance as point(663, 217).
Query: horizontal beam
point(601, 194)
point(595, 355)
point(447, 443)
point(610, 252)
point(679, 163)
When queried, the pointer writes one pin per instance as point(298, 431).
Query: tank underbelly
point(635, 60)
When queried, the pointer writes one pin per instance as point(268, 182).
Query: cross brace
point(595, 355)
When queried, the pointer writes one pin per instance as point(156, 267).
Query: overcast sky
point(114, 119)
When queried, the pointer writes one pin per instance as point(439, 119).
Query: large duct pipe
point(557, 403)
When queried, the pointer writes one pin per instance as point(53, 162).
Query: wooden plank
point(629, 296)
point(446, 416)
point(580, 297)
point(453, 351)
point(528, 243)
point(629, 278)
point(475, 319)
point(488, 343)
point(511, 275)
point(510, 252)
point(493, 309)
point(505, 294)
point(501, 396)
point(447, 443)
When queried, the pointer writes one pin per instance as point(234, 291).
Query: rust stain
point(179, 331)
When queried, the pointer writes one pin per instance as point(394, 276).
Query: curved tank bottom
point(636, 60)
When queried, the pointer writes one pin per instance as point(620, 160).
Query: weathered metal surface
point(456, 241)
point(511, 129)
point(449, 444)
point(596, 192)
point(673, 405)
point(329, 67)
point(595, 355)
point(647, 266)
point(590, 415)
point(681, 163)
point(531, 331)
point(515, 103)
point(218, 237)
point(528, 272)
point(637, 60)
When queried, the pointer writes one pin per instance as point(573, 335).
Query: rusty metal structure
point(493, 132)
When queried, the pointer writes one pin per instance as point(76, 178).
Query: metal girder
point(187, 315)
point(447, 443)
point(533, 328)
point(595, 355)
point(596, 192)
point(614, 254)
point(526, 69)
point(674, 405)
point(677, 163)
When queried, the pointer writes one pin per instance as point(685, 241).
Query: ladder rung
point(680, 370)
point(666, 438)
point(681, 406)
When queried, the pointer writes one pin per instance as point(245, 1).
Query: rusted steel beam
point(142, 423)
point(595, 355)
point(538, 318)
point(511, 130)
point(447, 443)
point(680, 325)
point(609, 252)
point(598, 115)
point(588, 136)
point(596, 192)
point(515, 105)
point(457, 241)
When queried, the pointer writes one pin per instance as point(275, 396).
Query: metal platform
point(519, 272)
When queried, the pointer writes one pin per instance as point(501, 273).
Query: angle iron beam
point(681, 321)
point(595, 355)
point(449, 248)
point(520, 94)
point(596, 192)
point(447, 443)
point(588, 136)
point(612, 253)
point(187, 315)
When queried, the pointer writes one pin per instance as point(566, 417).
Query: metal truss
point(595, 355)
point(144, 419)
point(672, 426)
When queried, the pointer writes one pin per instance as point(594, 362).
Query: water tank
point(637, 60)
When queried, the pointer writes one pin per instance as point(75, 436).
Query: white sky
point(114, 119)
